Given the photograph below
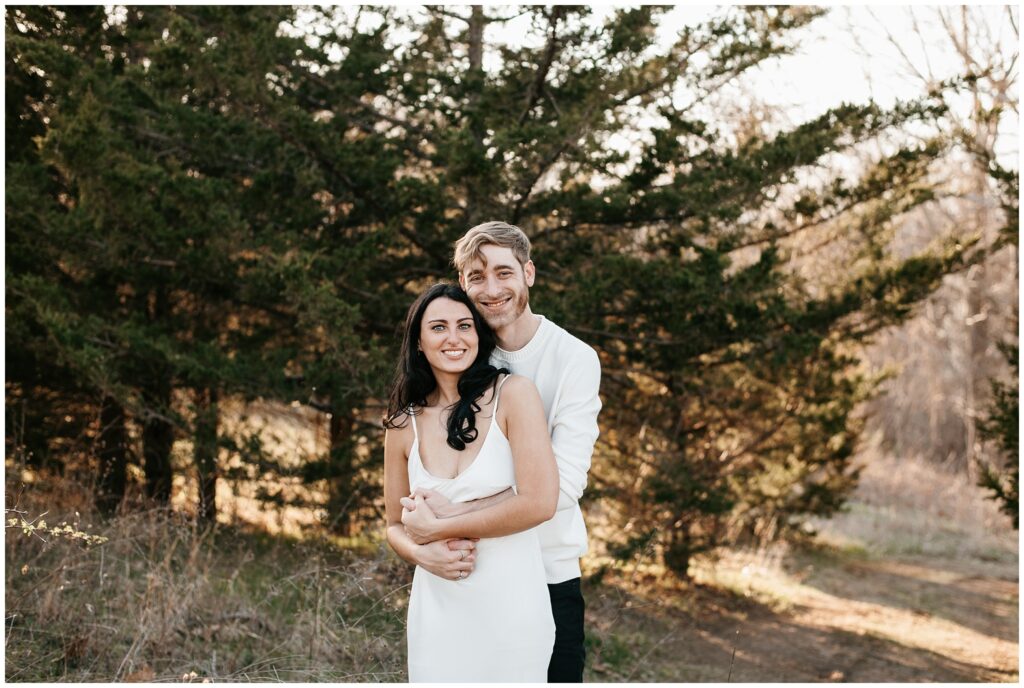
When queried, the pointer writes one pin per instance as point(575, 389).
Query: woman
point(466, 430)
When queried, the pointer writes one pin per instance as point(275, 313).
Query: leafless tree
point(947, 355)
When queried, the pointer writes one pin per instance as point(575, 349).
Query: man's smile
point(495, 305)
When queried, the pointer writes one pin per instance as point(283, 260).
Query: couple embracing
point(491, 423)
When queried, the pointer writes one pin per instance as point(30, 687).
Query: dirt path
point(818, 616)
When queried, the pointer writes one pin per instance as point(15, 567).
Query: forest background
point(216, 218)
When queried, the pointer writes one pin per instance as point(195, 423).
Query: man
point(493, 260)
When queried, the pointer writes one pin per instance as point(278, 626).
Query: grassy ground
point(162, 601)
point(916, 582)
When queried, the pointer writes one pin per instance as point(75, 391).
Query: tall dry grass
point(913, 506)
point(162, 600)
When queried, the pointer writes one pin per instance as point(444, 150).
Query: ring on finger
point(462, 555)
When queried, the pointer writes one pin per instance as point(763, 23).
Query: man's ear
point(462, 280)
point(530, 272)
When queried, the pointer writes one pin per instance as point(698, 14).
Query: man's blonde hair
point(467, 249)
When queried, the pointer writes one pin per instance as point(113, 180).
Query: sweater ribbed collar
point(532, 346)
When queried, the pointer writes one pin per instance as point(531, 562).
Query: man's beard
point(520, 300)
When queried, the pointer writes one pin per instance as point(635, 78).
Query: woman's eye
point(438, 328)
point(465, 326)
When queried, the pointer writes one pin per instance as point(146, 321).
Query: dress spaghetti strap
point(497, 396)
point(412, 417)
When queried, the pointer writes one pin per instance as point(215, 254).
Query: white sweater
point(568, 374)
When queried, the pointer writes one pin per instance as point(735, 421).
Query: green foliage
point(1002, 426)
point(201, 202)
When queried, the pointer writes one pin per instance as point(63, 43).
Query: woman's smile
point(447, 336)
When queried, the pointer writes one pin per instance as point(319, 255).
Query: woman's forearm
point(402, 544)
point(448, 510)
point(513, 515)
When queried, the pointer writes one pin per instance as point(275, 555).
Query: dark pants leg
point(567, 607)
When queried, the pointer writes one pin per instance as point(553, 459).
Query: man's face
point(500, 288)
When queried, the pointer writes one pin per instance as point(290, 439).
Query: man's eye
point(505, 274)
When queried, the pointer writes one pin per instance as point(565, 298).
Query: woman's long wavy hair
point(414, 380)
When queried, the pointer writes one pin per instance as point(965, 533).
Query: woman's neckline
point(492, 426)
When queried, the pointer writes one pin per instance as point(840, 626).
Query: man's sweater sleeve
point(574, 424)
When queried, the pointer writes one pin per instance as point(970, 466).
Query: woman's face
point(448, 336)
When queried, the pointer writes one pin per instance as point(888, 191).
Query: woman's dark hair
point(414, 380)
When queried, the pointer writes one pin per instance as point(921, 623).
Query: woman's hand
point(448, 559)
point(419, 521)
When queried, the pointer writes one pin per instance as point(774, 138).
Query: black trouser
point(567, 658)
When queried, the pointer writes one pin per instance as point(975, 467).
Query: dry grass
point(911, 507)
point(916, 581)
point(907, 510)
point(163, 601)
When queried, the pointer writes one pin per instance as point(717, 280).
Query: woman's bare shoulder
point(400, 431)
point(519, 390)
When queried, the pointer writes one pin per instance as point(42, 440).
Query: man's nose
point(491, 286)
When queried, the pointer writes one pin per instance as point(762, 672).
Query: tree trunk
point(205, 452)
point(678, 551)
point(113, 456)
point(157, 441)
point(343, 493)
point(477, 22)
point(475, 83)
point(157, 431)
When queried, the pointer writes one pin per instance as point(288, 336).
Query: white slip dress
point(496, 624)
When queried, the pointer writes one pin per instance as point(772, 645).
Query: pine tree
point(176, 195)
point(242, 202)
point(1002, 425)
point(730, 382)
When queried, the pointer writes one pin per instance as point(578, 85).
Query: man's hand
point(448, 559)
point(438, 503)
point(419, 520)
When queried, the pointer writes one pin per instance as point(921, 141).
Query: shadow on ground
point(695, 633)
point(985, 604)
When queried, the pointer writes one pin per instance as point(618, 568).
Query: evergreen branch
point(537, 85)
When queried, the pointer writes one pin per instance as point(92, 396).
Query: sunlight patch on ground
point(796, 593)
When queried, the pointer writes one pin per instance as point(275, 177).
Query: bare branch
point(899, 48)
point(441, 11)
point(924, 47)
